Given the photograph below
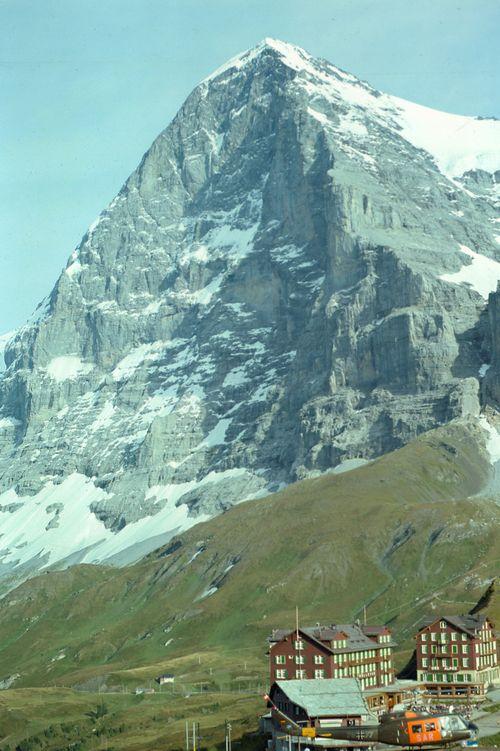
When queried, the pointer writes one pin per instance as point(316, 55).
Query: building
point(312, 704)
point(457, 655)
point(399, 694)
point(336, 651)
point(165, 678)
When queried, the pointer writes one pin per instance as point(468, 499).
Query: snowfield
point(482, 273)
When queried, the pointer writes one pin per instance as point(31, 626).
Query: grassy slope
point(404, 534)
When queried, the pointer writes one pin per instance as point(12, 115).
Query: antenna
point(297, 621)
point(364, 614)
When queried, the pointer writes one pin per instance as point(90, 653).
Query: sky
point(86, 86)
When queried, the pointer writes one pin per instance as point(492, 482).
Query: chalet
point(312, 704)
point(335, 651)
point(457, 655)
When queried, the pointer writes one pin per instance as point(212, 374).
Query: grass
point(405, 535)
point(60, 718)
point(490, 741)
point(491, 708)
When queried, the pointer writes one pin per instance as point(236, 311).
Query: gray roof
point(357, 641)
point(324, 697)
point(468, 623)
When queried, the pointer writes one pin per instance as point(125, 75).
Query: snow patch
point(77, 526)
point(68, 368)
point(207, 593)
point(144, 352)
point(348, 464)
point(482, 274)
point(493, 440)
point(319, 116)
point(484, 369)
point(235, 377)
point(457, 143)
point(217, 435)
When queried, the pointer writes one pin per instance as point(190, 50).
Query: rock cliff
point(296, 275)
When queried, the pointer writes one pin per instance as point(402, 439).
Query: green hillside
point(406, 535)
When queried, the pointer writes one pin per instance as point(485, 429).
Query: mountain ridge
point(285, 283)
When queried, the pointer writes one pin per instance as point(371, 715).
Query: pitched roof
point(468, 623)
point(373, 630)
point(357, 640)
point(325, 697)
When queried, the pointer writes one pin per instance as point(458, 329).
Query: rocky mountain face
point(302, 271)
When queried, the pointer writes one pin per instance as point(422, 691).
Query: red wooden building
point(457, 655)
point(335, 651)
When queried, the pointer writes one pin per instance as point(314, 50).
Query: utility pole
point(187, 736)
point(228, 736)
point(194, 736)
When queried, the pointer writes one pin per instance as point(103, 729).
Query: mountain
point(4, 339)
point(299, 276)
point(330, 544)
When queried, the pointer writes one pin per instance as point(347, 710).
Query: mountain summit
point(300, 275)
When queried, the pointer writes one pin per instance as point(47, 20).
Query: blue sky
point(86, 85)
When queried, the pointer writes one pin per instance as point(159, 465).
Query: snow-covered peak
point(457, 143)
point(291, 55)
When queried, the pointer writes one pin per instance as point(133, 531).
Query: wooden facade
point(457, 656)
point(343, 651)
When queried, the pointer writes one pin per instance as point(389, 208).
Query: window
point(455, 662)
point(281, 674)
point(442, 624)
point(465, 662)
point(424, 649)
point(424, 662)
point(300, 674)
point(280, 660)
point(454, 636)
point(464, 637)
point(298, 644)
point(433, 637)
point(299, 659)
point(319, 659)
point(465, 649)
point(423, 637)
point(429, 727)
point(319, 673)
point(416, 728)
point(454, 649)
